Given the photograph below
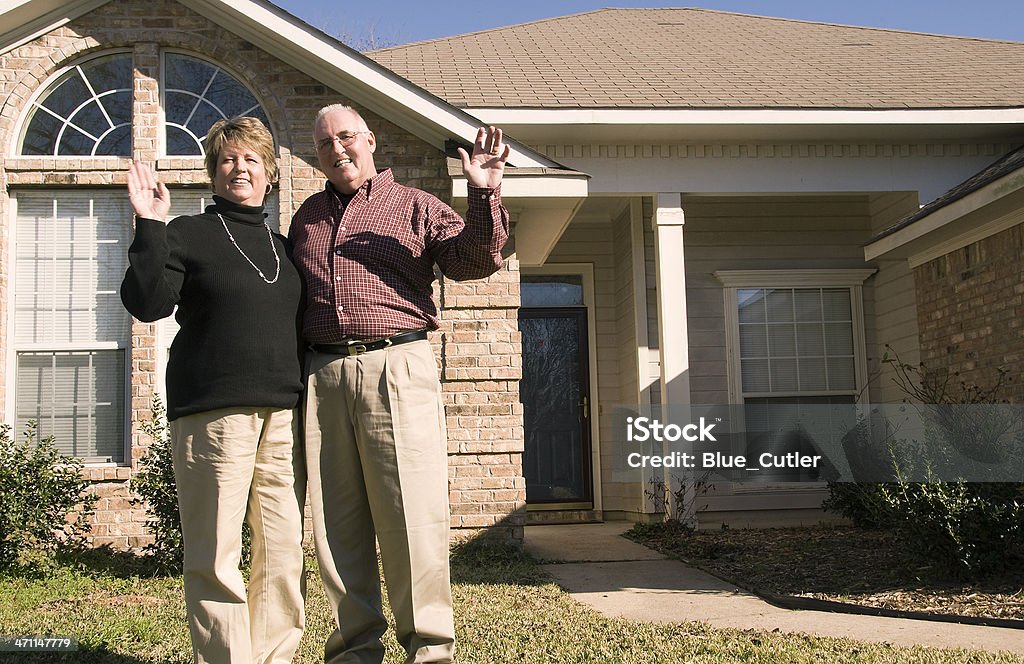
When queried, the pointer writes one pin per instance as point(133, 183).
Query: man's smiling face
point(347, 167)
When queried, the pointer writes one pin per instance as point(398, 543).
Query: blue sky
point(403, 21)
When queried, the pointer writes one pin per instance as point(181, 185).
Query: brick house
point(739, 165)
point(658, 197)
point(88, 86)
point(965, 249)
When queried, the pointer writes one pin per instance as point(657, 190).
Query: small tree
point(44, 505)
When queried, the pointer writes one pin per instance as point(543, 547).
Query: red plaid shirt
point(369, 263)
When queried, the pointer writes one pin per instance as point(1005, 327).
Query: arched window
point(197, 94)
point(84, 112)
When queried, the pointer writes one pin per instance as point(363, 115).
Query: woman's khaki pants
point(232, 464)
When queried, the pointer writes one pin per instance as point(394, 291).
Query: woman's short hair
point(241, 130)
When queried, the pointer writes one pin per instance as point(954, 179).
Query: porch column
point(673, 342)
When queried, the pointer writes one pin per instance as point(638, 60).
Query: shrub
point(966, 529)
point(43, 501)
point(154, 482)
point(863, 503)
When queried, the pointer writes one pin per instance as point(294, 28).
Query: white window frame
point(734, 280)
point(13, 348)
point(14, 150)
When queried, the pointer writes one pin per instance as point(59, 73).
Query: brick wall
point(970, 307)
point(478, 343)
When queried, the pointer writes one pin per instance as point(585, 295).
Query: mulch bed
point(837, 563)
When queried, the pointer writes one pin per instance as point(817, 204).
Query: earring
point(270, 188)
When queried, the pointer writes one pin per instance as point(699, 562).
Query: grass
point(839, 563)
point(507, 610)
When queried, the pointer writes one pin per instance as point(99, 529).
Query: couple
point(348, 297)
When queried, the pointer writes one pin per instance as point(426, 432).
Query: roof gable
point(696, 58)
point(304, 47)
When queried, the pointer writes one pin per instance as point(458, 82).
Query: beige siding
point(895, 304)
point(758, 233)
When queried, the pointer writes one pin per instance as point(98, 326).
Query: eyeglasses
point(345, 139)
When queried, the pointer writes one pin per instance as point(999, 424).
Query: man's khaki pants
point(377, 458)
point(232, 464)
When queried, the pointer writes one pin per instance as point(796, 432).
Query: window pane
point(784, 376)
point(810, 339)
point(755, 375)
point(751, 304)
point(812, 374)
point(841, 374)
point(806, 337)
point(837, 304)
point(551, 291)
point(753, 341)
point(839, 338)
point(808, 304)
point(76, 397)
point(781, 340)
point(70, 255)
point(78, 111)
point(780, 306)
point(197, 94)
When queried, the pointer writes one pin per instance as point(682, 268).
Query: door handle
point(585, 405)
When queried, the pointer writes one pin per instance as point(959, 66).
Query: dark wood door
point(555, 392)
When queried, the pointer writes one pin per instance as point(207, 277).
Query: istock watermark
point(822, 442)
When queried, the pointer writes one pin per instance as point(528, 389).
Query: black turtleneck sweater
point(238, 345)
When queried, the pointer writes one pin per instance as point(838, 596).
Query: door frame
point(586, 273)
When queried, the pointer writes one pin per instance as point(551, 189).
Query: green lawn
point(506, 611)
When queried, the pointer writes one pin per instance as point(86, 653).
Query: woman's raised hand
point(149, 197)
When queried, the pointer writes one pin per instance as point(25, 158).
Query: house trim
point(905, 238)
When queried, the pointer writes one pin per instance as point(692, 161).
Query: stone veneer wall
point(478, 343)
point(970, 306)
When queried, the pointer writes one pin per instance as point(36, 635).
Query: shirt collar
point(378, 182)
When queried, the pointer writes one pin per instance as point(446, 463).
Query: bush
point(863, 503)
point(154, 482)
point(43, 504)
point(968, 530)
point(965, 529)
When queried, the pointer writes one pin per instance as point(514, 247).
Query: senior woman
point(233, 382)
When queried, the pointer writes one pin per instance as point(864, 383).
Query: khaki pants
point(232, 464)
point(377, 458)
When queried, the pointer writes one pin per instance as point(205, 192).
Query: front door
point(555, 392)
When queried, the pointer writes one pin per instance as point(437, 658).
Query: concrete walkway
point(620, 578)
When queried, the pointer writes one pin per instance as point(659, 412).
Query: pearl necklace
point(273, 247)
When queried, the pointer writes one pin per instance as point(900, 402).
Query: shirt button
point(337, 251)
point(337, 278)
point(341, 308)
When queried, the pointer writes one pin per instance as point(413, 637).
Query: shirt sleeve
point(470, 248)
point(152, 285)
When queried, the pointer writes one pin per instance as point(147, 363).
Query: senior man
point(376, 446)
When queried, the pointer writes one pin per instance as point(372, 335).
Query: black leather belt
point(356, 347)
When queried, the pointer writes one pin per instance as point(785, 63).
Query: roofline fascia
point(26, 20)
point(947, 214)
point(761, 116)
point(317, 54)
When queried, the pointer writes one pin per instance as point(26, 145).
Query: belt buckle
point(356, 349)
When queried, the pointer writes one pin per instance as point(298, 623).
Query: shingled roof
point(698, 58)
